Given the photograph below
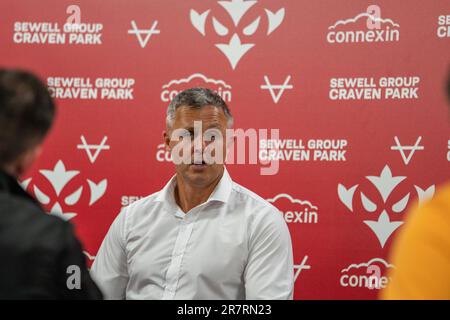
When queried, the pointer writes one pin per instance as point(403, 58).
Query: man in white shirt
point(202, 236)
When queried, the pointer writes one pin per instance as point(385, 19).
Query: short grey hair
point(197, 98)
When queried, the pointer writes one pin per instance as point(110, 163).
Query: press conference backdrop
point(355, 88)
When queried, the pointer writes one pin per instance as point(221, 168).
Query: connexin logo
point(366, 275)
point(295, 210)
point(367, 26)
point(235, 44)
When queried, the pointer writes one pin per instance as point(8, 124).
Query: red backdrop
point(356, 91)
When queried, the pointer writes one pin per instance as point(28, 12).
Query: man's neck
point(188, 196)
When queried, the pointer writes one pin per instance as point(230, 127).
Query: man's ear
point(26, 160)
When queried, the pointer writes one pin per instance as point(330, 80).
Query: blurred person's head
point(26, 115)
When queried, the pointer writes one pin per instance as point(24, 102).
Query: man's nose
point(199, 144)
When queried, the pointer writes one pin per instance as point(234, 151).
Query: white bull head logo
point(235, 49)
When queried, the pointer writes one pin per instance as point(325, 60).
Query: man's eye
point(212, 135)
point(186, 135)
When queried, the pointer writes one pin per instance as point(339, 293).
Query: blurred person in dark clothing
point(40, 257)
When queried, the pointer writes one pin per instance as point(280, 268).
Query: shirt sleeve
point(269, 272)
point(109, 269)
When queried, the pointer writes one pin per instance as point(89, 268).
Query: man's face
point(200, 171)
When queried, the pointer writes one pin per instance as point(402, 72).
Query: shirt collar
point(221, 192)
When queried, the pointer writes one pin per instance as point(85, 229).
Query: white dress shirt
point(236, 245)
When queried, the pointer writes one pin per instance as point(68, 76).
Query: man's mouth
point(199, 164)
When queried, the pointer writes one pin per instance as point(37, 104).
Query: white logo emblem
point(273, 87)
point(385, 184)
point(234, 50)
point(140, 32)
point(299, 267)
point(411, 149)
point(97, 147)
point(59, 177)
